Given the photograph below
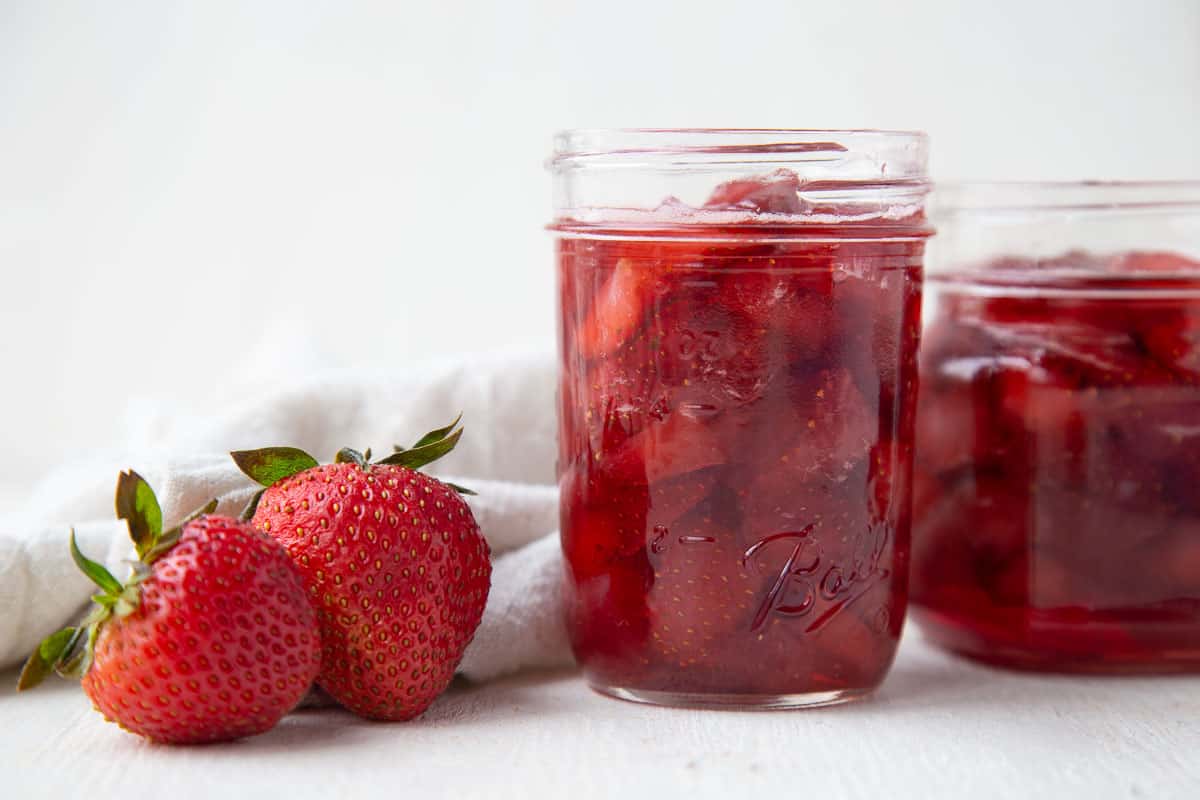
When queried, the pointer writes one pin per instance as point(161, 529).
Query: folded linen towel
point(506, 455)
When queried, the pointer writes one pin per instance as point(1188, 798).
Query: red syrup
point(737, 407)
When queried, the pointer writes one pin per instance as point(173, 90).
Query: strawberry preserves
point(736, 431)
point(1058, 464)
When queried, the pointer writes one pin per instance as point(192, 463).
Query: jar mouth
point(865, 156)
point(1076, 272)
point(1071, 197)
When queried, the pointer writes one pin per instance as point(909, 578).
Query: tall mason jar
point(1057, 520)
point(738, 328)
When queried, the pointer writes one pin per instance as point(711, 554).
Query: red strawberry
point(393, 560)
point(211, 638)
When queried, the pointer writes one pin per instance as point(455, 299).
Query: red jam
point(736, 426)
point(1057, 486)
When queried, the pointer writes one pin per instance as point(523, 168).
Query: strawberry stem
point(348, 455)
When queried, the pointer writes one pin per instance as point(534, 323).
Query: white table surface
point(940, 727)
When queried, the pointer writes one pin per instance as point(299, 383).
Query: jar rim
point(885, 156)
point(1072, 196)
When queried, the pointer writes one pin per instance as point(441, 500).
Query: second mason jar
point(1057, 519)
point(739, 318)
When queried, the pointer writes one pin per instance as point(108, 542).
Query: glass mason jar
point(1057, 488)
point(738, 330)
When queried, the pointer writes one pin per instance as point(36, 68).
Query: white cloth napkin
point(506, 455)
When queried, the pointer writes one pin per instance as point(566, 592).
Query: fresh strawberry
point(212, 637)
point(393, 560)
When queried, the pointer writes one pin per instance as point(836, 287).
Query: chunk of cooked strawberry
point(618, 309)
point(673, 497)
point(603, 519)
point(857, 644)
point(1177, 559)
point(1170, 333)
point(608, 619)
point(984, 519)
point(698, 595)
point(665, 449)
point(948, 432)
point(878, 315)
point(943, 561)
point(775, 193)
point(831, 427)
point(787, 497)
point(1159, 262)
point(1104, 549)
point(711, 355)
point(786, 297)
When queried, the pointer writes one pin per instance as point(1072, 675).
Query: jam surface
point(736, 425)
point(1057, 479)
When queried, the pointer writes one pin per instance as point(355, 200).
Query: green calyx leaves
point(270, 465)
point(137, 505)
point(98, 574)
point(267, 467)
point(68, 652)
point(47, 657)
point(348, 455)
point(114, 597)
point(436, 435)
point(429, 448)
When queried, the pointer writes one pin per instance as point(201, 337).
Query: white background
point(181, 181)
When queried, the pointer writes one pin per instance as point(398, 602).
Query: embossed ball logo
point(807, 582)
point(806, 579)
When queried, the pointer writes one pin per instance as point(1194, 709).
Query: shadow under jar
point(739, 315)
point(1057, 486)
